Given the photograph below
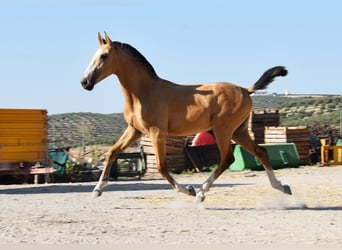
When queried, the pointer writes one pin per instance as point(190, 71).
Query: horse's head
point(100, 65)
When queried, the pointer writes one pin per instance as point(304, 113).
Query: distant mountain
point(73, 129)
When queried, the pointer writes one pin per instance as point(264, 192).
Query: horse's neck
point(136, 79)
point(136, 87)
point(137, 83)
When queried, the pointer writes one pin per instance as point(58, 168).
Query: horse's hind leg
point(241, 136)
point(127, 138)
point(226, 158)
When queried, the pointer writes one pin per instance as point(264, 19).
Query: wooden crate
point(258, 120)
point(175, 157)
point(298, 135)
point(175, 164)
point(174, 145)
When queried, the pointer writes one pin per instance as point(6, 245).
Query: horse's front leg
point(127, 138)
point(159, 146)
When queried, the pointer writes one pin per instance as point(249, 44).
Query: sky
point(46, 46)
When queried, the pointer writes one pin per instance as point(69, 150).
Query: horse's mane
point(137, 55)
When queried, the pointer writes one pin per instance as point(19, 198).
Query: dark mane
point(135, 53)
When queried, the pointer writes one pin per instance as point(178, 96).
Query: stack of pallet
point(175, 157)
point(258, 120)
point(298, 135)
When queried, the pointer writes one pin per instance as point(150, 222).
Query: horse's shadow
point(87, 188)
point(290, 208)
point(123, 186)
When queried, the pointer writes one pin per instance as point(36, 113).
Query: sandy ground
point(240, 208)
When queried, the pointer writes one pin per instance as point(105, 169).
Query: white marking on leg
point(180, 188)
point(207, 184)
point(99, 188)
point(200, 196)
point(274, 181)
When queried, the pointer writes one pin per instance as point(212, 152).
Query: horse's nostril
point(86, 85)
point(83, 81)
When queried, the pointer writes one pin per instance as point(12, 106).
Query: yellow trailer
point(23, 139)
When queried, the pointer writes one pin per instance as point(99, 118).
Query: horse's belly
point(186, 127)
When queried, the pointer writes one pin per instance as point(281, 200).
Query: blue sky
point(46, 46)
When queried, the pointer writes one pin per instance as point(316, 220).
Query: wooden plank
point(174, 145)
point(175, 163)
point(23, 125)
point(30, 156)
point(17, 141)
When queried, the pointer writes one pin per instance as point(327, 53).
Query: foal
point(160, 108)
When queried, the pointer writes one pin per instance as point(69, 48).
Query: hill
point(73, 129)
point(298, 110)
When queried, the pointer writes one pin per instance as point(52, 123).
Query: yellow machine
point(330, 155)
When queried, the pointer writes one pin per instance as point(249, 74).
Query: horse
point(160, 108)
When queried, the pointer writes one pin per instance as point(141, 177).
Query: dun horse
point(160, 108)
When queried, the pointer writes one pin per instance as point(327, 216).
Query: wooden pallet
point(174, 145)
point(258, 120)
point(175, 157)
point(175, 164)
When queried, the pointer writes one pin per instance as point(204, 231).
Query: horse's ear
point(108, 40)
point(101, 41)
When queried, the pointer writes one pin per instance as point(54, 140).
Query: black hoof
point(191, 190)
point(287, 189)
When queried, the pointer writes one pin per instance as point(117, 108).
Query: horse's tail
point(267, 78)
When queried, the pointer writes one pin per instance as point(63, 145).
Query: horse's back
point(194, 108)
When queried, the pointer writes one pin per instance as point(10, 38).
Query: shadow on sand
point(290, 208)
point(122, 186)
point(87, 187)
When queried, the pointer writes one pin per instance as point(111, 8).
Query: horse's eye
point(103, 56)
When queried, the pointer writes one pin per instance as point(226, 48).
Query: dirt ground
point(240, 208)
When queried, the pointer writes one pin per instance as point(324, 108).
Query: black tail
point(267, 78)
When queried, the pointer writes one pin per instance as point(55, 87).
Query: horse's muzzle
point(86, 84)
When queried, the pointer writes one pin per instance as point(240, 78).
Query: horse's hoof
point(287, 189)
point(97, 193)
point(191, 190)
point(200, 197)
